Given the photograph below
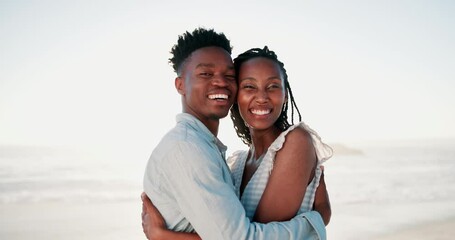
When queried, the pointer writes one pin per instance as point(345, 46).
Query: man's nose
point(220, 80)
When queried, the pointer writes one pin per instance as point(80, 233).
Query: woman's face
point(261, 93)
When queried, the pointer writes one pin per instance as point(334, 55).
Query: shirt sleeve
point(208, 201)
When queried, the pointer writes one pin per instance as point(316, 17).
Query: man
point(187, 178)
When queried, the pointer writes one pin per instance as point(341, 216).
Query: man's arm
point(154, 227)
point(209, 203)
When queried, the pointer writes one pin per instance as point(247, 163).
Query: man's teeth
point(260, 112)
point(218, 96)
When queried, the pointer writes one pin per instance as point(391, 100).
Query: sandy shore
point(121, 220)
point(59, 220)
point(425, 220)
point(443, 230)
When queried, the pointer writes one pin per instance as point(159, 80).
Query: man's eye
point(204, 74)
point(230, 77)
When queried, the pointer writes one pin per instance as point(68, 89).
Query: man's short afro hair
point(190, 42)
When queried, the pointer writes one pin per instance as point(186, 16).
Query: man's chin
point(219, 115)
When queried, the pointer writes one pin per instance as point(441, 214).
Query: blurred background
point(86, 92)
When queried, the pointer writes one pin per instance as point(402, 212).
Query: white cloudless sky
point(96, 72)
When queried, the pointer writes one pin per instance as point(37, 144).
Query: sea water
point(390, 186)
point(396, 171)
point(387, 185)
point(42, 174)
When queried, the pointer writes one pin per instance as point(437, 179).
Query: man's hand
point(152, 221)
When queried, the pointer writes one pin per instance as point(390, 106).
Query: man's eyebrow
point(211, 65)
point(200, 65)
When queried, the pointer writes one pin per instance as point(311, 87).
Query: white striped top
point(256, 186)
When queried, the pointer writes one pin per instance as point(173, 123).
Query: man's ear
point(180, 85)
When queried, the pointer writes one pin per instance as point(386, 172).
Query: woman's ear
point(180, 85)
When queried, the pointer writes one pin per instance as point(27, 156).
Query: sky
point(96, 73)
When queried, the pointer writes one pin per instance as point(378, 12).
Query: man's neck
point(212, 124)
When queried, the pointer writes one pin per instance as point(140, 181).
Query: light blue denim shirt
point(189, 182)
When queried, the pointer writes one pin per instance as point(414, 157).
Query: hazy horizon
point(92, 73)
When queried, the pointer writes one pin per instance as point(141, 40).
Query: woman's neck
point(262, 139)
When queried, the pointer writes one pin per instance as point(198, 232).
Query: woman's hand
point(154, 226)
point(152, 221)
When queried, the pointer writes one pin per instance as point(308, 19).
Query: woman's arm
point(293, 168)
point(154, 226)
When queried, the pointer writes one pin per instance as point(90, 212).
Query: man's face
point(207, 84)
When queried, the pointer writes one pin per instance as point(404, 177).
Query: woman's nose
point(262, 96)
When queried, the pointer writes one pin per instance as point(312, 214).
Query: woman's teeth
point(260, 112)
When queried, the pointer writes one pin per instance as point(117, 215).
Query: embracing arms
point(205, 196)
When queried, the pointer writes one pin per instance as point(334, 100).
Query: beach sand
point(433, 220)
point(121, 220)
point(443, 230)
point(60, 220)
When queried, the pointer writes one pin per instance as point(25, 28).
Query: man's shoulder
point(182, 135)
point(179, 141)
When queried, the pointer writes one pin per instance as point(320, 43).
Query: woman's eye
point(273, 86)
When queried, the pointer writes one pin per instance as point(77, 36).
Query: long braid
point(282, 121)
point(291, 96)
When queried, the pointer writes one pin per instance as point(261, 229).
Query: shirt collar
point(193, 122)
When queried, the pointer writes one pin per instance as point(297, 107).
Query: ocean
point(379, 189)
point(402, 171)
point(391, 186)
point(41, 174)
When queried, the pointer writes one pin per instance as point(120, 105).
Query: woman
point(283, 159)
point(278, 177)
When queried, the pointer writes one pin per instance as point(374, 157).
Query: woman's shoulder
point(323, 150)
point(299, 133)
point(296, 132)
point(302, 136)
point(297, 141)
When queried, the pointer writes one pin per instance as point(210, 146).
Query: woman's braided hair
point(282, 121)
